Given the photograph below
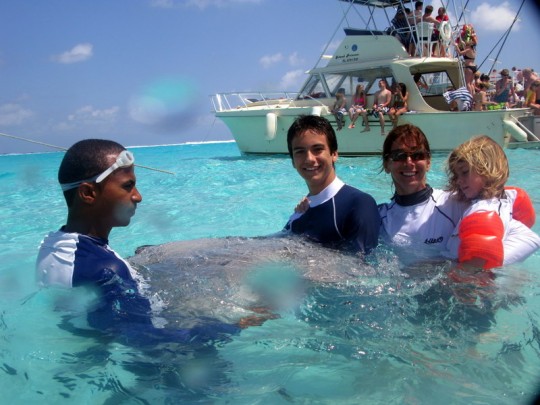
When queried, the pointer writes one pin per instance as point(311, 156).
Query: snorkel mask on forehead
point(124, 159)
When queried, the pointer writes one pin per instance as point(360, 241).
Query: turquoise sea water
point(386, 337)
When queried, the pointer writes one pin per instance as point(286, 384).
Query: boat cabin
point(367, 59)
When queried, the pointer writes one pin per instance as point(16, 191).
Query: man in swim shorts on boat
point(99, 185)
point(338, 214)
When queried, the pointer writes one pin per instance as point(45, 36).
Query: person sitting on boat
point(488, 235)
point(504, 89)
point(99, 185)
point(400, 26)
point(480, 98)
point(466, 48)
point(532, 100)
point(420, 82)
point(337, 214)
point(382, 98)
point(399, 104)
point(414, 18)
point(358, 104)
point(339, 109)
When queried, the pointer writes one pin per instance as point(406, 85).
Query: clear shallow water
point(380, 337)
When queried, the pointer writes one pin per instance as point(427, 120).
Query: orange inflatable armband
point(481, 235)
point(523, 209)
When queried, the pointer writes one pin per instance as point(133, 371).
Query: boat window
point(374, 86)
point(337, 83)
point(313, 89)
point(437, 83)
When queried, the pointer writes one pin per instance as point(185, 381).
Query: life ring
point(481, 240)
point(445, 31)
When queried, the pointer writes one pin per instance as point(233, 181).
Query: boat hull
point(445, 130)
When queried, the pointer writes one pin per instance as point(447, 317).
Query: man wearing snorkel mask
point(98, 181)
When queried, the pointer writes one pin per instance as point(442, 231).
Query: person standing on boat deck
point(99, 185)
point(428, 17)
point(441, 45)
point(358, 104)
point(383, 98)
point(528, 78)
point(466, 48)
point(337, 214)
point(419, 220)
point(532, 100)
point(504, 89)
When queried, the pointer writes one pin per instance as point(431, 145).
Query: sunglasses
point(402, 156)
point(124, 159)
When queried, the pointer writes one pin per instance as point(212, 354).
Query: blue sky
point(141, 71)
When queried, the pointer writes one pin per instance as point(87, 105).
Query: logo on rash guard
point(431, 241)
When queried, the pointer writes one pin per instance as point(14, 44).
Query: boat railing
point(233, 101)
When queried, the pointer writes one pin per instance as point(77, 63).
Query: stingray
point(228, 278)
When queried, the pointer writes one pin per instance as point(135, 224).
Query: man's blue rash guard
point(75, 260)
point(340, 215)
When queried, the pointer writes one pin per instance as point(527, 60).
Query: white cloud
point(292, 80)
point(13, 114)
point(332, 46)
point(494, 18)
point(268, 60)
point(294, 60)
point(78, 53)
point(200, 4)
point(90, 116)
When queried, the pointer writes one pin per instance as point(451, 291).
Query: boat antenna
point(334, 34)
point(20, 138)
point(505, 36)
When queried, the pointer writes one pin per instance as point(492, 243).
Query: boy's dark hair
point(85, 159)
point(315, 123)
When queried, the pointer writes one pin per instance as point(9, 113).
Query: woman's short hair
point(487, 159)
point(408, 134)
point(314, 123)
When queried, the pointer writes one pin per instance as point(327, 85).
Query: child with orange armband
point(495, 229)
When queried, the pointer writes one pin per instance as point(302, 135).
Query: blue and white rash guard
point(419, 225)
point(74, 260)
point(339, 215)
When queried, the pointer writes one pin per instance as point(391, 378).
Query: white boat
point(259, 121)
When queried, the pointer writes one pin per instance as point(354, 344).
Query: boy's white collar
point(330, 191)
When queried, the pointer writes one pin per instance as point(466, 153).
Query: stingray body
point(227, 278)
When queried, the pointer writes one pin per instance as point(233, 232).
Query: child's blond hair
point(485, 157)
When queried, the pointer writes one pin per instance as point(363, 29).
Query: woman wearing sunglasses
point(418, 219)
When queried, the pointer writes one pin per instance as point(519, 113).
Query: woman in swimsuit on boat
point(401, 95)
point(466, 48)
point(358, 104)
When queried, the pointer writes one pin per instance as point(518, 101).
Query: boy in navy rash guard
point(98, 180)
point(338, 215)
